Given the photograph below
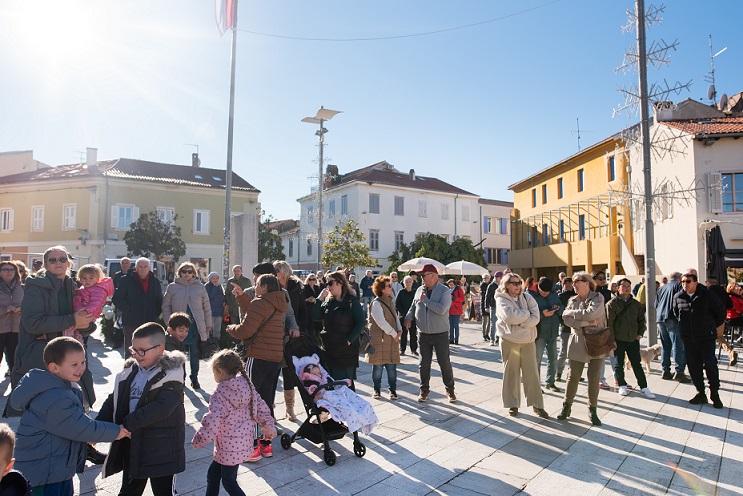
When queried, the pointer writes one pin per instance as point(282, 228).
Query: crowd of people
point(579, 322)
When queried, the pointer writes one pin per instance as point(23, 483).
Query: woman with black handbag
point(385, 337)
point(584, 314)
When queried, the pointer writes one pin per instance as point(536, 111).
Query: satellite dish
point(712, 93)
point(723, 101)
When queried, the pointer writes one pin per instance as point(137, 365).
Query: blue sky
point(481, 107)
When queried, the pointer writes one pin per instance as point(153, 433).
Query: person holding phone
point(548, 329)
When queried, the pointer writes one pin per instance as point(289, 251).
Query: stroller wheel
point(286, 441)
point(359, 449)
point(329, 457)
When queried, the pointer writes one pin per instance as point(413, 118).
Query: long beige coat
point(185, 293)
point(578, 315)
point(386, 349)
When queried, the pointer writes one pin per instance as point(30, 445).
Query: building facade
point(88, 207)
point(495, 232)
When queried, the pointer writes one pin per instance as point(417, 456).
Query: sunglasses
point(517, 283)
point(7, 269)
point(687, 281)
point(331, 282)
point(53, 260)
point(187, 272)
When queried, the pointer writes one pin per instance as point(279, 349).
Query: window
point(732, 192)
point(534, 235)
point(344, 205)
point(201, 221)
point(331, 208)
point(373, 203)
point(503, 226)
point(122, 216)
point(544, 194)
point(610, 169)
point(582, 226)
point(490, 255)
point(534, 197)
point(559, 188)
point(399, 205)
point(580, 180)
point(444, 211)
point(37, 218)
point(166, 214)
point(497, 256)
point(465, 213)
point(399, 239)
point(291, 248)
point(487, 225)
point(545, 234)
point(422, 212)
point(6, 219)
point(309, 247)
point(69, 216)
point(562, 231)
point(310, 214)
point(374, 240)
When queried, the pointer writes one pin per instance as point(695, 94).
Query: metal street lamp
point(321, 116)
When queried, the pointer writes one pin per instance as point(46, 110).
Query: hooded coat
point(158, 423)
point(517, 317)
point(93, 298)
point(185, 293)
point(268, 345)
point(50, 443)
point(234, 410)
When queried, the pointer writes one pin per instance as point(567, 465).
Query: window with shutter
point(714, 188)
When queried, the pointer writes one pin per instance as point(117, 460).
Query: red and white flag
point(225, 15)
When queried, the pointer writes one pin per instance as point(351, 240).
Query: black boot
point(94, 456)
point(593, 415)
point(715, 397)
point(566, 411)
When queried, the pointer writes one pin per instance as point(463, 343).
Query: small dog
point(647, 355)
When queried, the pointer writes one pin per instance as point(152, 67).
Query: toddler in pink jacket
point(91, 296)
point(235, 409)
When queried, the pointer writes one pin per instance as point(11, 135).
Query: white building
point(697, 168)
point(495, 235)
point(391, 208)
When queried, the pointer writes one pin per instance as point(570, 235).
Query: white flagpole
point(230, 131)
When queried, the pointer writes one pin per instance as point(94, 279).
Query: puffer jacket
point(50, 444)
point(517, 317)
point(383, 332)
point(234, 410)
point(343, 322)
point(93, 298)
point(158, 422)
point(457, 299)
point(269, 344)
point(185, 293)
point(11, 295)
point(548, 327)
point(579, 314)
point(626, 319)
point(698, 314)
point(216, 298)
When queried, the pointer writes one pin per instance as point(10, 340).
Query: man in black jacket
point(489, 299)
point(565, 294)
point(484, 308)
point(700, 313)
point(139, 297)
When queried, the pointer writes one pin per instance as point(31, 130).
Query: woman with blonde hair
point(584, 312)
point(187, 294)
point(518, 316)
point(343, 319)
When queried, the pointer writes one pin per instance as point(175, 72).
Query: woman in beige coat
point(518, 316)
point(385, 336)
point(586, 309)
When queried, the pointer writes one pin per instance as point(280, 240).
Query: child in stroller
point(343, 404)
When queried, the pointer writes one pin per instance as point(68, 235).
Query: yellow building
point(574, 216)
point(88, 207)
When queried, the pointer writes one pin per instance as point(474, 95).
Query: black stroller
point(318, 431)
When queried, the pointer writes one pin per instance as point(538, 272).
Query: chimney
point(411, 174)
point(195, 160)
point(91, 157)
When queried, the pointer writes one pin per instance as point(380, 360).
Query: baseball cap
point(499, 274)
point(429, 268)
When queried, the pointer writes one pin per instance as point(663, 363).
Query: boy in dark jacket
point(178, 326)
point(148, 401)
point(54, 429)
point(13, 482)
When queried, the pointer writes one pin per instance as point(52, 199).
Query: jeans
point(632, 348)
point(216, 326)
point(391, 376)
point(550, 344)
point(64, 488)
point(454, 328)
point(365, 302)
point(413, 331)
point(193, 359)
point(485, 326)
point(670, 340)
point(700, 355)
point(563, 355)
point(612, 365)
point(227, 474)
point(428, 343)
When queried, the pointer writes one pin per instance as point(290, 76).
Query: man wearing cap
point(490, 302)
point(484, 308)
point(430, 309)
point(216, 302)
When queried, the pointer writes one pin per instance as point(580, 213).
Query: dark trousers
point(263, 375)
point(225, 473)
point(8, 344)
point(700, 355)
point(161, 486)
point(440, 343)
point(193, 359)
point(632, 349)
point(413, 332)
point(64, 488)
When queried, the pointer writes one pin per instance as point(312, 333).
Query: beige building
point(88, 207)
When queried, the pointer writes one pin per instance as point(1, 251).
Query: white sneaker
point(623, 391)
point(648, 393)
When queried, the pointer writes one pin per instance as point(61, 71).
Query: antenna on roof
point(577, 131)
point(195, 160)
point(712, 91)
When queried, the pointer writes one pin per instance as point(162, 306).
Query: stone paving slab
point(474, 447)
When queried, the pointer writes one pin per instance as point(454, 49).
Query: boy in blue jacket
point(13, 482)
point(54, 429)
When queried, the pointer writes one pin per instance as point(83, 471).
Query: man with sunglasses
point(139, 297)
point(430, 308)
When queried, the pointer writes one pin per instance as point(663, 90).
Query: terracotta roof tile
point(711, 126)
